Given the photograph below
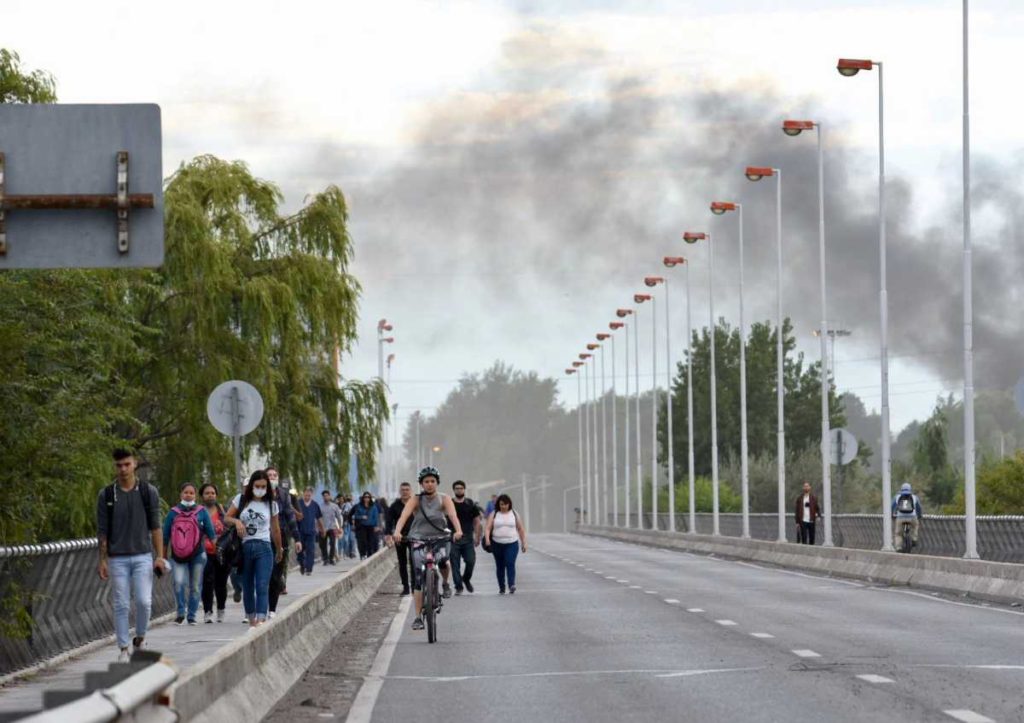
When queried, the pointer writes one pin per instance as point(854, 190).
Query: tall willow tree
point(248, 293)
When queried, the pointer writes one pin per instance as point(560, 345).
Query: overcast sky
point(515, 168)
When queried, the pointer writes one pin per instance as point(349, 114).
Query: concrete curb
point(247, 677)
point(1000, 582)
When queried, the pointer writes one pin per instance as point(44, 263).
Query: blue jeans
point(259, 562)
point(505, 555)
point(348, 542)
point(188, 584)
point(308, 555)
point(128, 574)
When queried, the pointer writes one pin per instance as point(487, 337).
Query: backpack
point(186, 537)
point(905, 504)
point(109, 497)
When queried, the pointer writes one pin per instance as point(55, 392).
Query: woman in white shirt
point(505, 535)
point(254, 515)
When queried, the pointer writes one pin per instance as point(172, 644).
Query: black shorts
point(442, 551)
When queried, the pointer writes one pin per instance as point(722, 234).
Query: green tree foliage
point(94, 359)
point(1000, 488)
point(932, 472)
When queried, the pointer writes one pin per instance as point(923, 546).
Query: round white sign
point(235, 401)
point(843, 446)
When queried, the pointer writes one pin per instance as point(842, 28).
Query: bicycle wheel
point(908, 543)
point(430, 593)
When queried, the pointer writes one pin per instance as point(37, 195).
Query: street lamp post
point(720, 208)
point(691, 238)
point(794, 128)
point(638, 299)
point(756, 173)
point(671, 262)
point(602, 337)
point(382, 327)
point(597, 447)
point(615, 326)
point(565, 502)
point(848, 68)
point(579, 408)
point(670, 440)
point(622, 314)
point(588, 508)
point(641, 298)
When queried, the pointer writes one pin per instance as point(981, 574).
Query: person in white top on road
point(505, 536)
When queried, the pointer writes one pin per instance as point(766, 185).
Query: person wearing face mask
point(289, 536)
point(184, 527)
point(215, 574)
point(254, 513)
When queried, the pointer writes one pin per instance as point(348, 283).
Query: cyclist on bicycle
point(906, 507)
point(428, 511)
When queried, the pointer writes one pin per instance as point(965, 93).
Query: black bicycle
point(434, 556)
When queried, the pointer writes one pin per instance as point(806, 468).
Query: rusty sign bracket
point(121, 201)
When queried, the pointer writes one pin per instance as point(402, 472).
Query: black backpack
point(905, 504)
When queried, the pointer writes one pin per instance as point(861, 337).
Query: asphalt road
point(606, 631)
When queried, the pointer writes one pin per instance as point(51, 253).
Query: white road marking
point(569, 673)
point(805, 653)
point(947, 602)
point(694, 610)
point(726, 623)
point(609, 577)
point(851, 583)
point(624, 582)
point(671, 601)
point(871, 678)
point(651, 592)
point(973, 667)
point(362, 707)
point(968, 716)
point(634, 587)
point(765, 636)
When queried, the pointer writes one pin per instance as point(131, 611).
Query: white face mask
point(274, 483)
point(188, 503)
point(259, 492)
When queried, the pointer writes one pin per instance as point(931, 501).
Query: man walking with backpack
point(128, 528)
point(465, 549)
point(184, 528)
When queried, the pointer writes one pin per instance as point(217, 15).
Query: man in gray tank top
point(430, 512)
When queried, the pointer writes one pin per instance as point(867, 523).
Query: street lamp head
point(435, 448)
point(796, 127)
point(623, 313)
point(720, 207)
point(849, 68)
point(615, 325)
point(381, 324)
point(593, 347)
point(603, 335)
point(388, 340)
point(577, 364)
point(585, 356)
point(691, 237)
point(673, 261)
point(570, 371)
point(641, 298)
point(756, 173)
point(391, 358)
point(653, 281)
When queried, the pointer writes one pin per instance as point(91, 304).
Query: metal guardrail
point(1000, 537)
point(64, 597)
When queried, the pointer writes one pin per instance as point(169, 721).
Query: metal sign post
point(235, 408)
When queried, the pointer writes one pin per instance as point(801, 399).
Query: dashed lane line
point(694, 610)
point(968, 716)
point(805, 653)
point(726, 623)
point(872, 678)
point(671, 601)
point(763, 636)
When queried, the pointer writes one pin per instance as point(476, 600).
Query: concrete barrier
point(996, 581)
point(246, 678)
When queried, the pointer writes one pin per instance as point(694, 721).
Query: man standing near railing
point(128, 528)
point(806, 512)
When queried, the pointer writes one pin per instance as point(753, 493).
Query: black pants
point(366, 540)
point(805, 533)
point(215, 583)
point(463, 550)
point(279, 575)
point(404, 563)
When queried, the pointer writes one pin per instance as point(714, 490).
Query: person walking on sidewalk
point(131, 548)
point(505, 535)
point(465, 549)
point(310, 527)
point(185, 526)
point(215, 574)
point(401, 548)
point(281, 492)
point(366, 520)
point(806, 514)
point(332, 528)
point(254, 514)
point(348, 534)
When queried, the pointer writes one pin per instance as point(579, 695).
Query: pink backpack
point(185, 534)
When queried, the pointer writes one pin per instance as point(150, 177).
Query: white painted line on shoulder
point(805, 653)
point(694, 610)
point(764, 636)
point(671, 601)
point(726, 623)
point(651, 592)
point(871, 678)
point(362, 707)
point(968, 716)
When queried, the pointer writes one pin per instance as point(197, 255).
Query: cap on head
point(428, 472)
point(905, 489)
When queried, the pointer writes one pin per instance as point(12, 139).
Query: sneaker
point(208, 618)
point(271, 614)
point(468, 584)
point(501, 591)
point(237, 596)
point(458, 591)
point(220, 615)
point(124, 656)
point(446, 591)
point(192, 621)
point(284, 591)
point(405, 591)
point(138, 643)
point(512, 590)
point(180, 620)
point(417, 624)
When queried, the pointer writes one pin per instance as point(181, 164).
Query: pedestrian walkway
point(184, 645)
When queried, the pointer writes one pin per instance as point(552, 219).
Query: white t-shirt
point(807, 508)
point(256, 518)
point(504, 528)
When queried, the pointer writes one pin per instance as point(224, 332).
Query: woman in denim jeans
point(254, 515)
point(188, 571)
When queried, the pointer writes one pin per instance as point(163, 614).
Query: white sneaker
point(220, 616)
point(124, 656)
point(271, 614)
point(208, 617)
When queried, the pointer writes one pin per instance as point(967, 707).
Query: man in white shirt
point(806, 513)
